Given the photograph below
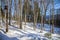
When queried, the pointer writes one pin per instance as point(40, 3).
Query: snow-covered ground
point(27, 33)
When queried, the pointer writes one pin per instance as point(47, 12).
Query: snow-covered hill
point(27, 33)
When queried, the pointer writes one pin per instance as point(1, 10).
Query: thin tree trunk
point(20, 6)
point(6, 8)
point(26, 2)
point(52, 29)
point(41, 22)
point(35, 14)
point(25, 18)
point(49, 20)
point(10, 4)
point(6, 22)
point(15, 10)
point(42, 16)
point(2, 13)
point(34, 21)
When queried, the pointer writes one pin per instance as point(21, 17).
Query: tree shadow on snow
point(14, 26)
point(31, 36)
point(4, 37)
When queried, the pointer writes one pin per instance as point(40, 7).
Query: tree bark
point(6, 11)
point(10, 4)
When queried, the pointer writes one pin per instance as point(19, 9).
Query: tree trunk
point(52, 29)
point(10, 4)
point(6, 8)
point(20, 2)
point(6, 22)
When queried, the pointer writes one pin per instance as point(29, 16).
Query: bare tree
point(6, 11)
point(52, 28)
point(35, 13)
point(25, 9)
point(10, 5)
point(45, 8)
point(2, 12)
point(49, 19)
point(41, 14)
point(20, 14)
point(15, 10)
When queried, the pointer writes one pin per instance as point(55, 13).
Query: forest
point(29, 20)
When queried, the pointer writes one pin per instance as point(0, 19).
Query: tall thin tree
point(25, 9)
point(52, 28)
point(10, 6)
point(35, 13)
point(6, 8)
point(20, 14)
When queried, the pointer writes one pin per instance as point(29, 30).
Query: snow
point(27, 33)
point(5, 37)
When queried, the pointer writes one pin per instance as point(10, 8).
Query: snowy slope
point(26, 34)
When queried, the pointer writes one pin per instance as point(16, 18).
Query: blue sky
point(57, 1)
point(57, 4)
